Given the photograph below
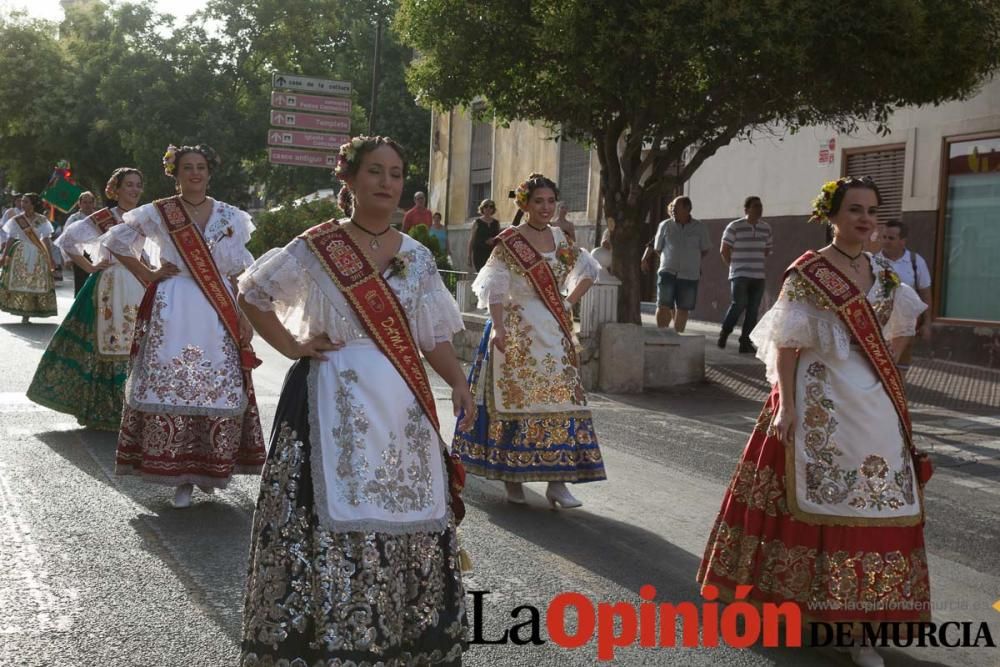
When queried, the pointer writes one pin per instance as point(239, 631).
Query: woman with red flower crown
point(190, 415)
point(532, 422)
point(825, 508)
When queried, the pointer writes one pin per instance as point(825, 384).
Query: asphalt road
point(99, 570)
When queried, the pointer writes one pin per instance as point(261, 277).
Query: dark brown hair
point(345, 199)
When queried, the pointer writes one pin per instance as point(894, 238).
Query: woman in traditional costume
point(26, 284)
point(190, 416)
point(354, 558)
point(532, 421)
point(84, 367)
point(825, 508)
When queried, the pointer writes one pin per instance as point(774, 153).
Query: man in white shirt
point(912, 270)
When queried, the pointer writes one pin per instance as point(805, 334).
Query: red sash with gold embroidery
point(853, 309)
point(375, 304)
point(193, 249)
point(539, 275)
point(29, 231)
point(103, 220)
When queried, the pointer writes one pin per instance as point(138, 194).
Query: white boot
point(182, 496)
point(515, 493)
point(560, 497)
point(866, 656)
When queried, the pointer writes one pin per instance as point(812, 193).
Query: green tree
point(659, 86)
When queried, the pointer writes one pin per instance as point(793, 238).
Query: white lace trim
point(793, 324)
point(906, 308)
point(492, 285)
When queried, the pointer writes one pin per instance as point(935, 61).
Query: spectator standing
point(86, 204)
point(912, 270)
point(482, 237)
point(438, 231)
point(746, 243)
point(563, 223)
point(418, 215)
point(681, 243)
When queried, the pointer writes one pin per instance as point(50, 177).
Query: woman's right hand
point(783, 424)
point(166, 270)
point(315, 347)
point(500, 339)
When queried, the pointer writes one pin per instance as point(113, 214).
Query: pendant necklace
point(373, 244)
point(852, 260)
point(538, 229)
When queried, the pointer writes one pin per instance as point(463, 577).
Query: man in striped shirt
point(745, 244)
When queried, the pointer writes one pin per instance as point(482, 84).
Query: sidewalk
point(931, 383)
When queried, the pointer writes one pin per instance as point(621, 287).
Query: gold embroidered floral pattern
point(759, 489)
point(797, 288)
point(825, 580)
point(114, 329)
point(873, 486)
point(315, 597)
point(526, 380)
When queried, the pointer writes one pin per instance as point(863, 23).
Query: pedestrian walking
point(439, 232)
point(532, 421)
point(86, 204)
point(418, 215)
point(27, 287)
point(482, 238)
point(825, 508)
point(746, 242)
point(912, 270)
point(681, 242)
point(84, 367)
point(354, 557)
point(190, 415)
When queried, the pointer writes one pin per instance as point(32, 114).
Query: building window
point(480, 165)
point(885, 164)
point(970, 271)
point(574, 174)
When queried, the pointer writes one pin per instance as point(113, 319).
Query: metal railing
point(451, 279)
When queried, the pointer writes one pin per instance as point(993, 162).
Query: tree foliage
point(657, 87)
point(112, 85)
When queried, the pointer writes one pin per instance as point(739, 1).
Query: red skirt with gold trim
point(844, 573)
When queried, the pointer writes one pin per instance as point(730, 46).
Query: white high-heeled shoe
point(866, 656)
point(182, 496)
point(560, 497)
point(515, 493)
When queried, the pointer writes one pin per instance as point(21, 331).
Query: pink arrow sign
point(308, 121)
point(300, 158)
point(313, 103)
point(318, 140)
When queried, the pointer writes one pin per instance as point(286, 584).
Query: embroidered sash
point(103, 220)
point(29, 231)
point(376, 306)
point(539, 275)
point(853, 309)
point(191, 246)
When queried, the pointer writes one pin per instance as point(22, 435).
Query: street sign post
point(311, 103)
point(310, 121)
point(301, 158)
point(311, 84)
point(317, 140)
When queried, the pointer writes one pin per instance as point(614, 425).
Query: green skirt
point(73, 377)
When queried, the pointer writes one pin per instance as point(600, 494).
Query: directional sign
point(310, 121)
point(320, 140)
point(311, 84)
point(314, 103)
point(300, 158)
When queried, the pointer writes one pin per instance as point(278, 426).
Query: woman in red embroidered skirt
point(190, 416)
point(825, 509)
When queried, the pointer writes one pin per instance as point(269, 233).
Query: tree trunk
point(626, 253)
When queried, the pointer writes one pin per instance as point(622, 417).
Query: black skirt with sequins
point(320, 598)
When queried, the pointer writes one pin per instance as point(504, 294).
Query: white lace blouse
point(494, 283)
point(797, 320)
point(287, 281)
point(227, 232)
point(82, 236)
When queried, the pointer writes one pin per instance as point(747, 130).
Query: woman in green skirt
point(84, 368)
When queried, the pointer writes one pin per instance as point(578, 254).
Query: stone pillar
point(464, 296)
point(672, 359)
point(622, 355)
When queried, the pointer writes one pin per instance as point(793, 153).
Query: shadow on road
point(36, 335)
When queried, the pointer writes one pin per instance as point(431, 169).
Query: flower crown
point(170, 160)
point(348, 154)
point(110, 191)
point(521, 195)
point(823, 203)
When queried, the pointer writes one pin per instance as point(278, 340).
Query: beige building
point(938, 169)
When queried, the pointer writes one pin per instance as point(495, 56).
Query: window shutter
point(480, 164)
point(886, 167)
point(574, 174)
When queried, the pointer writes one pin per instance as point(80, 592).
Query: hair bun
point(533, 175)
